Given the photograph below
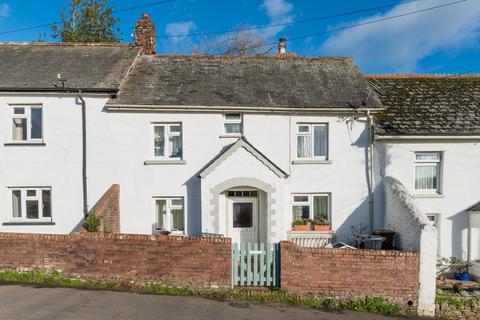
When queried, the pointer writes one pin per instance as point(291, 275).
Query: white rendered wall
point(57, 165)
point(120, 142)
point(413, 232)
point(459, 186)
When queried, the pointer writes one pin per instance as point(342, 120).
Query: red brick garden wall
point(187, 261)
point(108, 208)
point(349, 272)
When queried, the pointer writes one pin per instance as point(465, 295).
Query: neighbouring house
point(234, 146)
point(428, 138)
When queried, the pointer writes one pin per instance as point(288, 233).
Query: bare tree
point(239, 43)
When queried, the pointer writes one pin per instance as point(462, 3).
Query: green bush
point(92, 223)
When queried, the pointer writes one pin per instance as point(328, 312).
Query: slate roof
point(431, 105)
point(302, 82)
point(34, 66)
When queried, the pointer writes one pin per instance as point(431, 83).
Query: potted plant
point(301, 225)
point(321, 224)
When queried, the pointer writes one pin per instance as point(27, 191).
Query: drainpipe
point(84, 153)
point(370, 165)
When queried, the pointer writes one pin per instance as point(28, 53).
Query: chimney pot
point(145, 35)
point(282, 45)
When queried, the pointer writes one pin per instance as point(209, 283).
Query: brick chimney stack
point(145, 35)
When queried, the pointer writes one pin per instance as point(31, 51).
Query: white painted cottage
point(233, 146)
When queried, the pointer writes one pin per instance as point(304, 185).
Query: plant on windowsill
point(321, 224)
point(302, 225)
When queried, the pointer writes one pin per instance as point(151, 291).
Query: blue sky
point(445, 40)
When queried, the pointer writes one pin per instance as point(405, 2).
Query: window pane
point(18, 110)
point(31, 193)
point(19, 129)
point(178, 220)
point(300, 198)
point(242, 215)
point(36, 132)
point(426, 177)
point(175, 128)
point(47, 213)
point(303, 147)
point(233, 116)
point(320, 208)
point(17, 203)
point(303, 128)
point(177, 202)
point(427, 156)
point(320, 141)
point(32, 209)
point(160, 213)
point(301, 212)
point(159, 141)
point(233, 128)
point(176, 146)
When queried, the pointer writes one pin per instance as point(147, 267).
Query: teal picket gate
point(256, 264)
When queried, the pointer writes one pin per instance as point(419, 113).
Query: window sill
point(164, 162)
point(235, 136)
point(25, 144)
point(29, 223)
point(329, 232)
point(428, 195)
point(311, 162)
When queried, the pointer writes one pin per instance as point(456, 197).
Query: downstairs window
point(169, 215)
point(31, 204)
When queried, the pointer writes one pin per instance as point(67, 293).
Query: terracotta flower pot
point(305, 227)
point(322, 227)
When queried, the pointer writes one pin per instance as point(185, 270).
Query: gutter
point(58, 90)
point(428, 138)
point(179, 108)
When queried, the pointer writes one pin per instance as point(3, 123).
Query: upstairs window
point(428, 172)
point(233, 124)
point(169, 214)
point(312, 141)
point(167, 141)
point(31, 204)
point(27, 123)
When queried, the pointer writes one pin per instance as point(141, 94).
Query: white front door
point(242, 219)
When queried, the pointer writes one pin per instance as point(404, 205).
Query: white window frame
point(419, 163)
point(232, 121)
point(24, 198)
point(312, 142)
point(169, 219)
point(167, 134)
point(310, 203)
point(28, 117)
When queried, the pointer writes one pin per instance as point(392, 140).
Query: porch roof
point(475, 207)
point(241, 143)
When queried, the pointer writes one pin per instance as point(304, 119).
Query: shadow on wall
point(361, 214)
point(194, 205)
point(459, 234)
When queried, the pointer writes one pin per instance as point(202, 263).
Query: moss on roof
point(422, 105)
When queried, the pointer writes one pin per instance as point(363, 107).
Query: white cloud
point(278, 11)
point(400, 44)
point(4, 10)
point(179, 28)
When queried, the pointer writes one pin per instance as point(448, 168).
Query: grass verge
point(53, 277)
